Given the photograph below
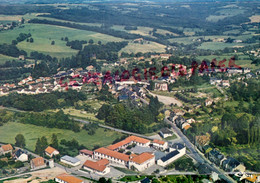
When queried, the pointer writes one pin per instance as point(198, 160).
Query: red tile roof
point(161, 142)
point(113, 154)
point(85, 151)
point(127, 141)
point(7, 147)
point(99, 165)
point(38, 161)
point(142, 158)
point(50, 150)
point(69, 178)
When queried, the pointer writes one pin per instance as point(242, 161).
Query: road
point(196, 155)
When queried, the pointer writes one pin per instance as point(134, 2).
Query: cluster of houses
point(228, 164)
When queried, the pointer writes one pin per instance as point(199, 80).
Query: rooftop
point(69, 178)
point(38, 161)
point(99, 165)
point(7, 147)
point(70, 159)
point(142, 158)
point(169, 155)
point(50, 150)
point(111, 153)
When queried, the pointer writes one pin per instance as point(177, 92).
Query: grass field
point(4, 58)
point(136, 47)
point(9, 130)
point(43, 35)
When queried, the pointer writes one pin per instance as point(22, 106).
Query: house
point(20, 155)
point(232, 165)
point(225, 83)
point(179, 121)
point(190, 120)
point(5, 149)
point(50, 151)
point(165, 132)
point(66, 178)
point(160, 86)
point(70, 160)
point(185, 126)
point(37, 163)
point(87, 153)
point(216, 157)
point(169, 158)
point(21, 57)
point(201, 141)
point(142, 161)
point(208, 102)
point(159, 144)
point(100, 167)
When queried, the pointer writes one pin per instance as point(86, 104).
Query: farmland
point(9, 130)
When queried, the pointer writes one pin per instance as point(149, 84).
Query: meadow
point(43, 35)
point(102, 137)
point(4, 58)
point(136, 47)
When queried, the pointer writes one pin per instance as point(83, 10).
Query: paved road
point(197, 156)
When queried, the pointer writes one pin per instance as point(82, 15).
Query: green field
point(136, 47)
point(9, 130)
point(4, 58)
point(43, 35)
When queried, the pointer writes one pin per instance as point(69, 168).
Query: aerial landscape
point(141, 91)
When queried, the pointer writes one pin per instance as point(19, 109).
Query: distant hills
point(92, 1)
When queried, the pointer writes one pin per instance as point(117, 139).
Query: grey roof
point(70, 159)
point(170, 155)
point(19, 152)
point(216, 154)
point(178, 146)
point(231, 162)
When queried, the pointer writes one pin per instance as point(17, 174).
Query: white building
point(142, 161)
point(159, 144)
point(66, 178)
point(50, 151)
point(176, 151)
point(20, 155)
point(70, 160)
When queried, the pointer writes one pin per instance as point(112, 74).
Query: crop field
point(8, 131)
point(43, 35)
point(136, 47)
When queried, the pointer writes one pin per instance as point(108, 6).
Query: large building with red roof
point(100, 167)
point(133, 161)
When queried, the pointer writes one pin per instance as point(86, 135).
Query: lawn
point(102, 137)
point(146, 47)
point(43, 35)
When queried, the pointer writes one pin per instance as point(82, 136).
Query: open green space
point(43, 35)
point(146, 47)
point(102, 137)
point(4, 58)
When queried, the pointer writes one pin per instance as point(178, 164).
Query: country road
point(196, 155)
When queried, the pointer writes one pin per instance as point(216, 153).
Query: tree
point(54, 141)
point(20, 141)
point(38, 147)
point(53, 43)
point(99, 42)
point(31, 40)
point(91, 41)
point(66, 39)
point(103, 111)
point(41, 145)
point(102, 180)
